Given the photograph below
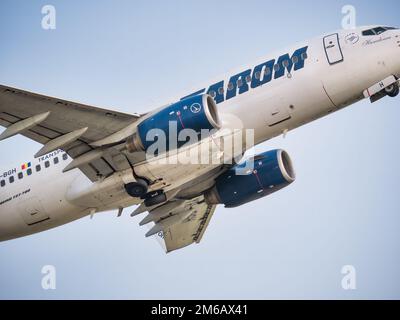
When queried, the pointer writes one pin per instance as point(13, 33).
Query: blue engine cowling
point(255, 178)
point(195, 112)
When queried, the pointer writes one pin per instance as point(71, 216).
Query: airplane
point(95, 160)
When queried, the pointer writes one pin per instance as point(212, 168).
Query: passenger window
point(212, 94)
point(38, 168)
point(11, 179)
point(258, 75)
point(47, 164)
point(20, 175)
point(267, 71)
point(276, 67)
point(55, 160)
point(29, 171)
point(248, 78)
point(230, 86)
point(295, 59)
point(239, 82)
point(304, 55)
point(2, 183)
point(65, 156)
point(221, 90)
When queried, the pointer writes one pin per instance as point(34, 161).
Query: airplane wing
point(67, 120)
point(180, 223)
point(80, 130)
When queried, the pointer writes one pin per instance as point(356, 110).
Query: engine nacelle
point(253, 179)
point(196, 113)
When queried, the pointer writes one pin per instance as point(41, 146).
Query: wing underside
point(63, 118)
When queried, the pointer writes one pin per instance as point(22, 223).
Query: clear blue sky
point(342, 210)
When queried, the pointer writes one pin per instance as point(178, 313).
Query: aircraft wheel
point(392, 90)
point(137, 189)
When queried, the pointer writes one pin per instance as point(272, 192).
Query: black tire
point(137, 189)
point(392, 90)
point(158, 199)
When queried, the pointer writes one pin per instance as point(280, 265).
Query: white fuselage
point(334, 75)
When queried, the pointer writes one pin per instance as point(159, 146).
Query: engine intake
point(255, 178)
point(196, 113)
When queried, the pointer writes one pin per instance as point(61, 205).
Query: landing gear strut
point(392, 90)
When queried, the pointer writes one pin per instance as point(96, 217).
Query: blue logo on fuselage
point(253, 78)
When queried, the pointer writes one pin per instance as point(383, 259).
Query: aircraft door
point(332, 49)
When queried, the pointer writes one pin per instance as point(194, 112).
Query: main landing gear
point(139, 189)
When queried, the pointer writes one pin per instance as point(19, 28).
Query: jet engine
point(195, 112)
point(255, 178)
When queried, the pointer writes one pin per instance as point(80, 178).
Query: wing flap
point(189, 231)
point(196, 215)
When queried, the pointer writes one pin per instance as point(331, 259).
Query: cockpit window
point(377, 31)
point(369, 32)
